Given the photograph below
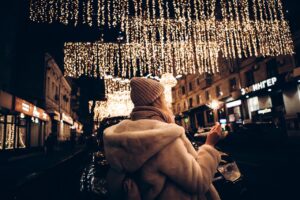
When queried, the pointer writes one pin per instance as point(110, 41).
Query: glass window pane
point(253, 104)
point(10, 136)
point(22, 137)
point(1, 134)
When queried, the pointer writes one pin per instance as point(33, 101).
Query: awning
point(54, 114)
point(30, 109)
point(67, 118)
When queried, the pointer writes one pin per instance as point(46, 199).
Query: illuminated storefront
point(77, 128)
point(263, 101)
point(6, 104)
point(65, 127)
point(22, 125)
point(234, 111)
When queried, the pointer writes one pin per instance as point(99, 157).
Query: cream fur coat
point(169, 167)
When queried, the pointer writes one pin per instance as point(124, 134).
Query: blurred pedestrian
point(151, 157)
point(49, 144)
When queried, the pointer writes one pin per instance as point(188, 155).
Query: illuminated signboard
point(234, 104)
point(67, 118)
point(260, 86)
point(29, 109)
point(265, 111)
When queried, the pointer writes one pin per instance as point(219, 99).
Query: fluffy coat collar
point(129, 144)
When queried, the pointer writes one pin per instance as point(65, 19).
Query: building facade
point(58, 101)
point(254, 90)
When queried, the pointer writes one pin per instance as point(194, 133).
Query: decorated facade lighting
point(118, 102)
point(215, 104)
point(136, 59)
point(168, 81)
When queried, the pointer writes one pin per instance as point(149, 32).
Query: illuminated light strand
point(86, 59)
point(236, 34)
point(118, 101)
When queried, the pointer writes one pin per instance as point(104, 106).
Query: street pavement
point(270, 172)
point(19, 170)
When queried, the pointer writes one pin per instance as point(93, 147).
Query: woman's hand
point(214, 135)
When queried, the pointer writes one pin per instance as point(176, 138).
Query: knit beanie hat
point(144, 91)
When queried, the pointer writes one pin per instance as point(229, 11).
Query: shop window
point(21, 137)
point(190, 102)
point(207, 95)
point(183, 90)
point(232, 84)
point(190, 86)
point(265, 102)
point(66, 131)
point(21, 133)
point(272, 70)
point(210, 116)
point(2, 129)
point(10, 133)
point(249, 78)
point(253, 105)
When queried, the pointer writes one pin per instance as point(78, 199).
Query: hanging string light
point(178, 36)
point(254, 28)
point(136, 59)
point(118, 102)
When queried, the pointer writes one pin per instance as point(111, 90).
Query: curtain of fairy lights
point(118, 102)
point(134, 59)
point(176, 36)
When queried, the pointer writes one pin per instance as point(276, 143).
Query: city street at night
point(149, 99)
